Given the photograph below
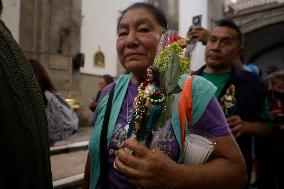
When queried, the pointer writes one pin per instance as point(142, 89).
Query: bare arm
point(86, 180)
point(153, 169)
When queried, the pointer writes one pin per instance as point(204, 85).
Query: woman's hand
point(146, 168)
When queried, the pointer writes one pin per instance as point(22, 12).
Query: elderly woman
point(139, 29)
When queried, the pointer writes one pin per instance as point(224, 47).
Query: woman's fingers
point(127, 158)
point(138, 149)
point(124, 169)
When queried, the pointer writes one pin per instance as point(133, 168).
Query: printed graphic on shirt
point(164, 139)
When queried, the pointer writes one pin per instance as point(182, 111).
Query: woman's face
point(138, 37)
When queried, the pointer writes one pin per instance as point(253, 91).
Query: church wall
point(11, 16)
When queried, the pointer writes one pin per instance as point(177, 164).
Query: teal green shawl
point(202, 91)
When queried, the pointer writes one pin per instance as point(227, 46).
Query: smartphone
point(196, 20)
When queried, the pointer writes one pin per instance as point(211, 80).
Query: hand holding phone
point(196, 32)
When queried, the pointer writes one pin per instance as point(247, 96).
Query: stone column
point(215, 11)
point(50, 33)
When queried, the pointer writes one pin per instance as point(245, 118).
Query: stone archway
point(263, 29)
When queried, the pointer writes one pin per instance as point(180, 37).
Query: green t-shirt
point(220, 80)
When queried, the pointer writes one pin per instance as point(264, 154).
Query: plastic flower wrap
point(172, 60)
point(153, 105)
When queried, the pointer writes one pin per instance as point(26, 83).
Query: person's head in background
point(104, 81)
point(139, 29)
point(224, 47)
point(276, 81)
point(42, 77)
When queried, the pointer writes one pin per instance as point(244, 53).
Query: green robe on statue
point(24, 149)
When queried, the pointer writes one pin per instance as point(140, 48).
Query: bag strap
point(185, 107)
point(103, 143)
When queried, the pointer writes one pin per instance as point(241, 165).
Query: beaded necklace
point(141, 110)
point(129, 112)
point(156, 97)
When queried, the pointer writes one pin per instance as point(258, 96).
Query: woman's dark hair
point(108, 79)
point(42, 77)
point(232, 25)
point(158, 15)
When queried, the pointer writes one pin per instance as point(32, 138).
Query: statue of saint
point(228, 101)
point(147, 107)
